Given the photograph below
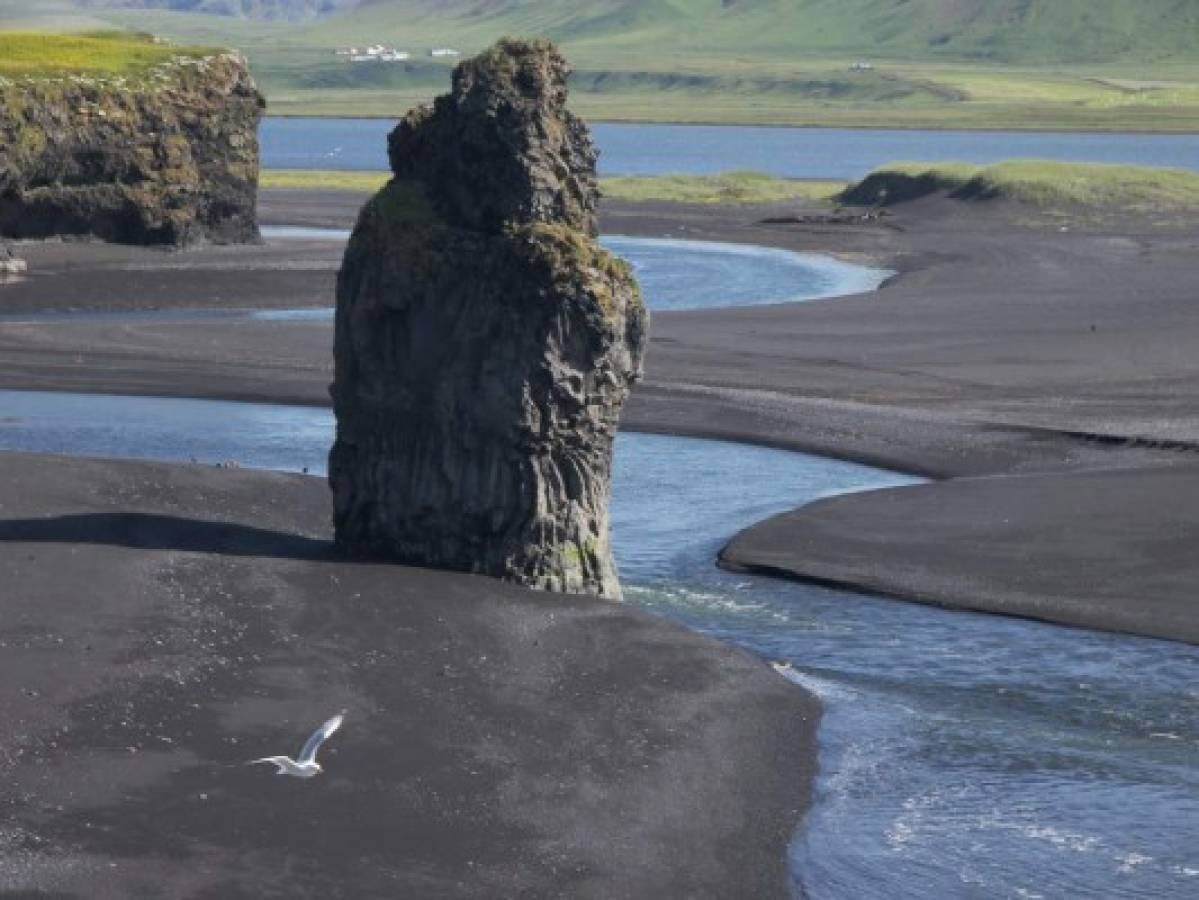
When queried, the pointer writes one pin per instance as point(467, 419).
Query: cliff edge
point(168, 155)
point(485, 342)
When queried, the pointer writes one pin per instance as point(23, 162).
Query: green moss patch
point(568, 252)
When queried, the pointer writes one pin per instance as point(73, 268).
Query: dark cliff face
point(502, 146)
point(170, 159)
point(485, 341)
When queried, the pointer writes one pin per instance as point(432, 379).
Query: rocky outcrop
point(485, 341)
point(168, 158)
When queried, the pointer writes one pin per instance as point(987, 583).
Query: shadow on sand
point(141, 531)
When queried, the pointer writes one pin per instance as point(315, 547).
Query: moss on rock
point(171, 158)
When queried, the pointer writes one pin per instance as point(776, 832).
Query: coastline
point(1007, 346)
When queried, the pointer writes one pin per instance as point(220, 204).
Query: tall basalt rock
point(485, 342)
point(168, 158)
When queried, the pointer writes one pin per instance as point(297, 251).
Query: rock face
point(485, 341)
point(170, 159)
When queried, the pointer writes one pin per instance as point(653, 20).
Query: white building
point(377, 53)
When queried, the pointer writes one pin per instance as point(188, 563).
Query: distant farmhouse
point(377, 53)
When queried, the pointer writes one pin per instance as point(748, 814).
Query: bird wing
point(273, 760)
point(308, 753)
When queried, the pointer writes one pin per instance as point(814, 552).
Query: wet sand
point(1112, 549)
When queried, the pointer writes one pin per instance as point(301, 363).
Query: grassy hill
point(1012, 31)
point(1082, 64)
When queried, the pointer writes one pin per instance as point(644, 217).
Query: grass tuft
point(323, 180)
point(729, 188)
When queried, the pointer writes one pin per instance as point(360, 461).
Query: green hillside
point(38, 54)
point(1078, 64)
point(1010, 31)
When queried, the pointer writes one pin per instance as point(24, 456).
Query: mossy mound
point(1038, 183)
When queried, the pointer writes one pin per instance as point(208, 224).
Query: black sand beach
point(549, 745)
point(164, 624)
point(1010, 345)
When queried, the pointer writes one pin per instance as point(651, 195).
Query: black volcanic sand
point(164, 624)
point(1115, 545)
point(1012, 344)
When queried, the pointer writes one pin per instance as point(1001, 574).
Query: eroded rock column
point(485, 341)
point(170, 157)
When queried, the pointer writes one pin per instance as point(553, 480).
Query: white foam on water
point(1129, 862)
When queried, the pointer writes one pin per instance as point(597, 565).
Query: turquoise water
point(673, 274)
point(961, 755)
point(843, 154)
point(681, 274)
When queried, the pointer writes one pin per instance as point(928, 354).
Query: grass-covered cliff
point(125, 138)
point(112, 54)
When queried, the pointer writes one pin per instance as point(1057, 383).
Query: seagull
point(306, 766)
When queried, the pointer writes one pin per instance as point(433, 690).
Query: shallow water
point(962, 755)
point(834, 153)
point(678, 274)
point(674, 274)
point(683, 274)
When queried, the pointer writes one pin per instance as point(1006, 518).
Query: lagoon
point(816, 153)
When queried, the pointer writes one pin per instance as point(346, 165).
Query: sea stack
point(169, 156)
point(485, 342)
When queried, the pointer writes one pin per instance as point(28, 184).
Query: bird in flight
point(306, 766)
